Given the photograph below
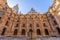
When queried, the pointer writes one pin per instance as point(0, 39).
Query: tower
point(15, 9)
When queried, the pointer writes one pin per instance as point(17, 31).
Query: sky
point(40, 6)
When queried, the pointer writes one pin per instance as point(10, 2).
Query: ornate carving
point(32, 11)
point(15, 9)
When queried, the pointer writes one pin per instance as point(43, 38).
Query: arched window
point(38, 32)
point(0, 19)
point(44, 25)
point(7, 23)
point(30, 33)
point(23, 32)
point(31, 17)
point(23, 25)
point(15, 32)
point(58, 29)
point(8, 18)
point(5, 8)
point(36, 17)
point(25, 17)
point(17, 25)
point(30, 25)
point(55, 23)
point(37, 25)
point(46, 32)
point(3, 31)
point(51, 16)
point(30, 30)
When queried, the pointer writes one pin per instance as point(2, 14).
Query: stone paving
point(24, 38)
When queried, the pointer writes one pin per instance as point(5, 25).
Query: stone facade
point(31, 25)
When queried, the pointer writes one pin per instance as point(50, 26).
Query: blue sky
point(40, 6)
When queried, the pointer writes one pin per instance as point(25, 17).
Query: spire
point(15, 9)
point(32, 11)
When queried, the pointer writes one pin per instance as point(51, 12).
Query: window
point(30, 25)
point(25, 17)
point(17, 25)
point(31, 17)
point(18, 20)
point(38, 32)
point(55, 23)
point(58, 29)
point(44, 25)
point(0, 18)
point(30, 33)
point(36, 17)
point(46, 32)
point(23, 32)
point(30, 30)
point(1, 12)
point(15, 32)
point(3, 31)
point(9, 18)
point(7, 23)
point(37, 25)
point(5, 3)
point(5, 8)
point(23, 25)
point(51, 16)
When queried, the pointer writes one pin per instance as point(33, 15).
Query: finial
point(32, 11)
point(15, 8)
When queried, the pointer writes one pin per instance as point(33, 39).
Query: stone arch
point(23, 32)
point(38, 32)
